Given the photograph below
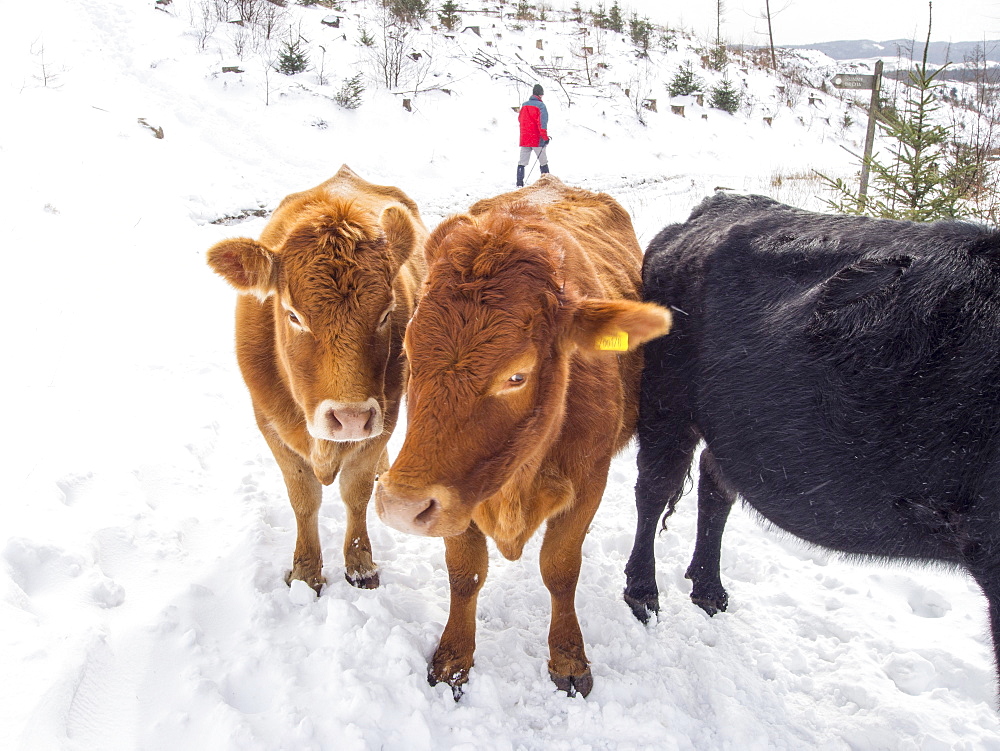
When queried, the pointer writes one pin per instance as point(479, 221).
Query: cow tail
point(674, 498)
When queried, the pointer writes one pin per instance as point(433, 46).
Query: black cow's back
point(844, 371)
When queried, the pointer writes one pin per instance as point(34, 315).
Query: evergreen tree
point(718, 57)
point(293, 59)
point(409, 12)
point(726, 97)
point(685, 82)
point(349, 96)
point(524, 11)
point(921, 180)
point(600, 18)
point(640, 31)
point(577, 12)
point(448, 15)
point(615, 21)
point(365, 39)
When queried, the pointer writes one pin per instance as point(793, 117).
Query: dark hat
point(538, 90)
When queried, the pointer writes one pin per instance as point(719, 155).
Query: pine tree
point(726, 97)
point(718, 57)
point(448, 15)
point(685, 82)
point(293, 59)
point(640, 30)
point(921, 180)
point(349, 96)
point(600, 18)
point(615, 21)
point(410, 12)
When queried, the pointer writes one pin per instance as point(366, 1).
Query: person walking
point(533, 119)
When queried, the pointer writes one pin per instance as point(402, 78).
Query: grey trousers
point(526, 155)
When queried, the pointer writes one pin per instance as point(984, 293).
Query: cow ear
point(617, 325)
point(399, 232)
point(433, 247)
point(246, 264)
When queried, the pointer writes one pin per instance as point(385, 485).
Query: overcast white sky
point(806, 21)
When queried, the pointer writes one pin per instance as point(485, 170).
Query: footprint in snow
point(70, 486)
point(107, 593)
point(927, 603)
point(35, 566)
point(911, 673)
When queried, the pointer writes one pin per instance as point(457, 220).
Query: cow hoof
point(316, 581)
point(711, 604)
point(369, 580)
point(456, 680)
point(643, 608)
point(574, 684)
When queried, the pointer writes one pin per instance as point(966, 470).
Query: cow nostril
point(371, 419)
point(426, 516)
point(335, 423)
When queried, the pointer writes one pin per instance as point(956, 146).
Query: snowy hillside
point(146, 531)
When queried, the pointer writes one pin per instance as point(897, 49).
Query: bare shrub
point(388, 53)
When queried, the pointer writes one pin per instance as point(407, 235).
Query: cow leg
point(305, 494)
point(467, 560)
point(992, 591)
point(357, 478)
point(714, 505)
point(662, 472)
point(987, 576)
point(561, 557)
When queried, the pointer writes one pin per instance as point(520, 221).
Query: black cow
point(844, 374)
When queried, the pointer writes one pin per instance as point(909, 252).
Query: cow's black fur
point(844, 373)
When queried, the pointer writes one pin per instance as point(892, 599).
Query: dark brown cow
point(513, 410)
point(325, 297)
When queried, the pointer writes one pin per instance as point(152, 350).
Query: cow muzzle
point(417, 511)
point(346, 421)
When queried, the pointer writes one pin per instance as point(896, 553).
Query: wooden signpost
point(859, 81)
point(853, 81)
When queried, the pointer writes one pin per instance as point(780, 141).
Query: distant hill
point(938, 53)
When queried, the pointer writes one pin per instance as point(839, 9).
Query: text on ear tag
point(617, 342)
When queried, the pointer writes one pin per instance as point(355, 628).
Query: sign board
point(853, 81)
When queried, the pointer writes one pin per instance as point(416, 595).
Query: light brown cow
point(325, 297)
point(513, 410)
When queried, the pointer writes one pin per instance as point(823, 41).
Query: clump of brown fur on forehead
point(498, 259)
point(334, 250)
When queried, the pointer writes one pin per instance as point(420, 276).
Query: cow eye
point(385, 317)
point(512, 383)
point(293, 318)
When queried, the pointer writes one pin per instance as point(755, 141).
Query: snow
point(146, 530)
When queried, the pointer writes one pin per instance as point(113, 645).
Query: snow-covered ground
point(145, 528)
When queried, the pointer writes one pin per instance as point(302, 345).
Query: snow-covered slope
point(146, 530)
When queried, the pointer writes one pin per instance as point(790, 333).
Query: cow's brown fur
point(513, 413)
point(324, 368)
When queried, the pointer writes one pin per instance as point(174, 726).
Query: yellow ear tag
point(617, 342)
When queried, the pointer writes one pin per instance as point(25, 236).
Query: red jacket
point(533, 119)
